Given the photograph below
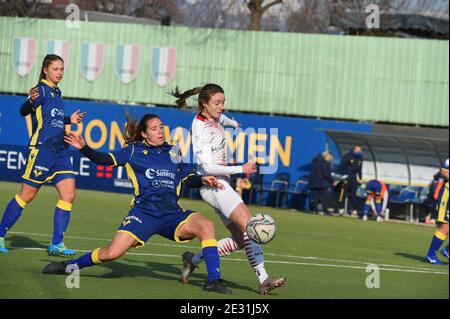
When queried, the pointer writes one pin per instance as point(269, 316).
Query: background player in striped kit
point(442, 233)
point(47, 160)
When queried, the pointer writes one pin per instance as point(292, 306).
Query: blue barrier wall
point(280, 144)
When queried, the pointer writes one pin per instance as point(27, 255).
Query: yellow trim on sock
point(20, 201)
point(64, 205)
point(440, 235)
point(95, 258)
point(209, 243)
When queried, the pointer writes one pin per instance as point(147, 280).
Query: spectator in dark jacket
point(351, 165)
point(320, 180)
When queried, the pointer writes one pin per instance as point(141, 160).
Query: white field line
point(398, 268)
point(271, 262)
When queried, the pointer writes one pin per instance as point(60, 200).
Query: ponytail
point(134, 128)
point(182, 97)
point(204, 93)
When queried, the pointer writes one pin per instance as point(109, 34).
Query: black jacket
point(352, 166)
point(320, 176)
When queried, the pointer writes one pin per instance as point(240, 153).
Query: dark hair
point(49, 58)
point(134, 128)
point(204, 94)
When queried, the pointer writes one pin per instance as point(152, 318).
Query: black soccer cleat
point(188, 266)
point(217, 286)
point(56, 268)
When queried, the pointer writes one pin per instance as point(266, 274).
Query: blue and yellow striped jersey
point(156, 174)
point(48, 118)
point(442, 200)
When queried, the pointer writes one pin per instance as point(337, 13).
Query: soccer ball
point(261, 229)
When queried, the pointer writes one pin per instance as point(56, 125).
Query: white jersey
point(209, 145)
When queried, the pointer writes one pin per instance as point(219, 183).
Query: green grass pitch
point(322, 257)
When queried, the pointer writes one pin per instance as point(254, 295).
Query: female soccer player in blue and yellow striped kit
point(442, 233)
point(48, 159)
point(156, 173)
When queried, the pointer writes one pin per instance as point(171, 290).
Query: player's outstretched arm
point(197, 181)
point(78, 142)
point(217, 170)
point(226, 121)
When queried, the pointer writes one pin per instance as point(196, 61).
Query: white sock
point(256, 258)
point(225, 246)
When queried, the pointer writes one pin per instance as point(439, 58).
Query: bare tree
point(123, 7)
point(230, 14)
point(27, 8)
point(309, 16)
point(159, 9)
point(257, 10)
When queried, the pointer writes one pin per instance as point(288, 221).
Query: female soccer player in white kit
point(209, 146)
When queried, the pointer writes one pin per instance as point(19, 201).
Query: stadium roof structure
point(407, 157)
point(117, 18)
point(401, 24)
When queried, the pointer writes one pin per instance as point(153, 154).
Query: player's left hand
point(237, 124)
point(34, 94)
point(212, 181)
point(77, 117)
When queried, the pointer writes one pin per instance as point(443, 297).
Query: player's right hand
point(75, 140)
point(249, 168)
point(34, 94)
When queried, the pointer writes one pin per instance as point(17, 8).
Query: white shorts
point(224, 201)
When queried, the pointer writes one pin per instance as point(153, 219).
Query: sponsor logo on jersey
point(152, 173)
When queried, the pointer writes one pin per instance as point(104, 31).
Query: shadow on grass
point(155, 270)
point(17, 242)
point(417, 257)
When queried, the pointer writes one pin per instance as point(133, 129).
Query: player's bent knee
point(207, 225)
point(206, 228)
point(444, 229)
point(69, 198)
point(28, 196)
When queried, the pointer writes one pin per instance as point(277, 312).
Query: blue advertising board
point(279, 144)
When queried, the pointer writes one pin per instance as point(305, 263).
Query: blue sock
point(436, 242)
point(87, 260)
point(60, 221)
point(212, 259)
point(12, 214)
point(378, 207)
point(366, 209)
